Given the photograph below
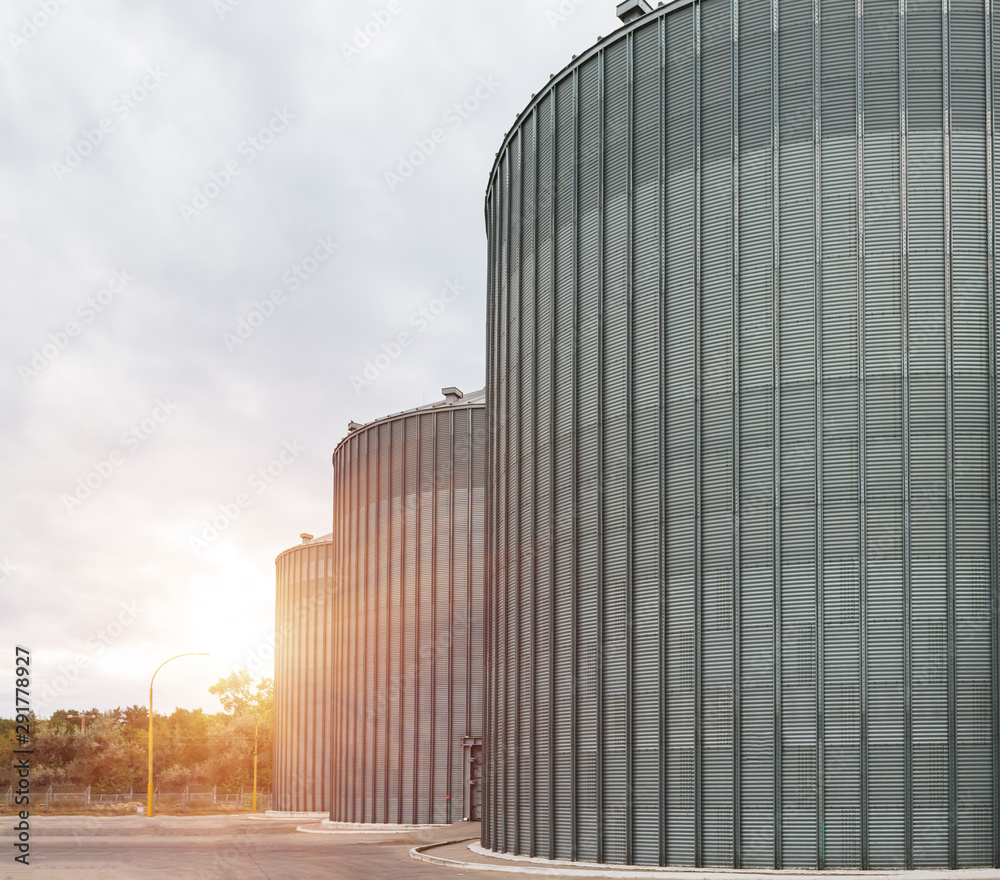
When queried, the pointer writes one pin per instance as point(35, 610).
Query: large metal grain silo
point(302, 677)
point(743, 582)
point(409, 532)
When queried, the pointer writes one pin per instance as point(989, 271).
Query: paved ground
point(216, 848)
point(224, 847)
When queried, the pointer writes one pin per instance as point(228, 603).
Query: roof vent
point(452, 395)
point(306, 537)
point(630, 10)
point(354, 426)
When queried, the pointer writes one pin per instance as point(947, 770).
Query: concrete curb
point(277, 816)
point(558, 868)
point(328, 827)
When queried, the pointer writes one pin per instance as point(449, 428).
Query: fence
point(85, 800)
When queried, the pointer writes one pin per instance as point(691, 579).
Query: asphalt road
point(216, 848)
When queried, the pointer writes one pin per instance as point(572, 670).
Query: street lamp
point(149, 786)
point(257, 731)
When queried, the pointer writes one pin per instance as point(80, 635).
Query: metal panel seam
point(737, 461)
point(818, 403)
point(950, 440)
point(776, 426)
point(904, 205)
point(697, 640)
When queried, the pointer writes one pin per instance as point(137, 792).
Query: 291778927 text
point(22, 754)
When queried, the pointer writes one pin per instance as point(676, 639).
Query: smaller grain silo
point(409, 507)
point(302, 674)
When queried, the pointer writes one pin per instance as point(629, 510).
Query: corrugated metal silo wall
point(302, 677)
point(409, 524)
point(742, 603)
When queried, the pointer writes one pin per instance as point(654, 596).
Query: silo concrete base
point(472, 856)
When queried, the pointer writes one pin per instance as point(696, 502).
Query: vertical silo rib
point(515, 564)
point(601, 108)
point(776, 424)
point(344, 688)
point(950, 441)
point(629, 567)
point(509, 806)
point(574, 491)
point(344, 637)
point(994, 440)
point(819, 484)
point(328, 655)
point(468, 586)
point(489, 712)
point(342, 641)
point(431, 512)
point(493, 775)
point(697, 442)
point(449, 780)
point(468, 592)
point(369, 701)
point(532, 781)
point(484, 838)
point(662, 433)
point(315, 747)
point(406, 430)
point(418, 510)
point(533, 640)
point(381, 575)
point(336, 769)
point(277, 786)
point(401, 482)
point(296, 697)
point(553, 253)
point(418, 552)
point(859, 84)
point(737, 464)
point(353, 800)
point(352, 577)
point(351, 768)
point(904, 267)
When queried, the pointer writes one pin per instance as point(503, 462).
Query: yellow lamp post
point(255, 733)
point(149, 786)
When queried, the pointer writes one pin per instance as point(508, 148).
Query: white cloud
point(161, 337)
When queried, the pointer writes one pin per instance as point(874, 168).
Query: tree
point(239, 696)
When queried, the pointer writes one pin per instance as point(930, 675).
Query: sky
point(216, 219)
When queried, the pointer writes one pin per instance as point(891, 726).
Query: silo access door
point(472, 799)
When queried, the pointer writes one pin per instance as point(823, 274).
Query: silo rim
point(473, 400)
point(557, 78)
point(325, 539)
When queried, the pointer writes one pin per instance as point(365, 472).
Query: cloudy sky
point(206, 235)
